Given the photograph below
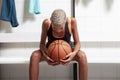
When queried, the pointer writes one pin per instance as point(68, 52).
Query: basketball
point(58, 49)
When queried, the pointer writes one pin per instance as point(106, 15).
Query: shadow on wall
point(5, 27)
point(98, 71)
point(108, 3)
point(21, 72)
point(84, 2)
point(14, 72)
point(26, 14)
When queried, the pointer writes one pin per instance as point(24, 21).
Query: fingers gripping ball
point(58, 49)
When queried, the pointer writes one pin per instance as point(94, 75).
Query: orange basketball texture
point(58, 49)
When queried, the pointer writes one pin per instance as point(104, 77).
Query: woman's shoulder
point(71, 19)
point(46, 23)
point(71, 24)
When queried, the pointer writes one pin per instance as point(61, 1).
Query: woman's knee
point(81, 56)
point(35, 55)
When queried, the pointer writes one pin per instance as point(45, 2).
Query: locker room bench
point(6, 38)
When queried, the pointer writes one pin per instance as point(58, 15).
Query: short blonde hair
point(58, 17)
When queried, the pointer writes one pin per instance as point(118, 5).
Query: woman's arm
point(74, 32)
point(43, 49)
point(75, 35)
point(44, 36)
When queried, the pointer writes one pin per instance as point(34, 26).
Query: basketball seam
point(52, 51)
point(64, 49)
point(58, 53)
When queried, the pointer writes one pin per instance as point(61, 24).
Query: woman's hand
point(68, 58)
point(49, 60)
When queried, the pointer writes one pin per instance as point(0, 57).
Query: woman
point(59, 27)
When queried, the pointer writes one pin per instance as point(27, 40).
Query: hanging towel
point(8, 12)
point(34, 6)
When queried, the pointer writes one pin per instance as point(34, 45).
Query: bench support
point(74, 71)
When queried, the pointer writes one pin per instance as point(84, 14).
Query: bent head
point(58, 17)
point(58, 20)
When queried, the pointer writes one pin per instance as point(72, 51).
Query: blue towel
point(34, 6)
point(8, 12)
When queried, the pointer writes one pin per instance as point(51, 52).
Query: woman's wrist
point(75, 52)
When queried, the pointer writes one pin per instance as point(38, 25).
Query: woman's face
point(58, 29)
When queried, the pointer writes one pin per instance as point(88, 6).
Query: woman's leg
point(34, 65)
point(83, 66)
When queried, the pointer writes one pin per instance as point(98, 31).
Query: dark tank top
point(51, 38)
